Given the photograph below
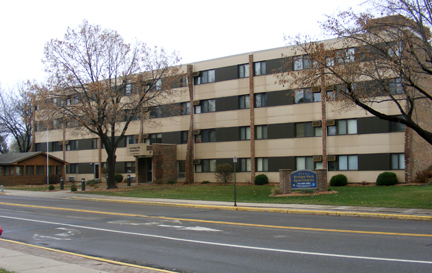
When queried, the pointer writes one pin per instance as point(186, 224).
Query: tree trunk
point(111, 162)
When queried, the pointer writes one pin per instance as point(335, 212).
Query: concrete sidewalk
point(25, 258)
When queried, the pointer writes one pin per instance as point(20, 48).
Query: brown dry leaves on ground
point(303, 194)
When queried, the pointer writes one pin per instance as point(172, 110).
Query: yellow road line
point(275, 210)
point(89, 257)
point(225, 223)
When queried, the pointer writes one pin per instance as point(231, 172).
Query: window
point(181, 169)
point(398, 161)
point(245, 133)
point(8, 170)
point(397, 127)
point(304, 129)
point(303, 95)
point(55, 147)
point(343, 127)
point(261, 100)
point(244, 102)
point(131, 140)
point(207, 165)
point(208, 135)
point(29, 170)
point(72, 168)
point(158, 85)
point(245, 164)
point(72, 145)
point(58, 169)
point(51, 169)
point(243, 71)
point(156, 112)
point(261, 132)
point(40, 170)
point(206, 106)
point(184, 137)
point(95, 143)
point(130, 167)
point(185, 108)
point(262, 164)
point(345, 56)
point(395, 49)
point(302, 62)
point(19, 170)
point(154, 138)
point(1, 170)
point(260, 68)
point(56, 124)
point(304, 163)
point(128, 89)
point(395, 86)
point(205, 77)
point(329, 62)
point(344, 163)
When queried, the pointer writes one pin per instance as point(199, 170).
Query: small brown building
point(28, 168)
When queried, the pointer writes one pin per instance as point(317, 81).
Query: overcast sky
point(198, 30)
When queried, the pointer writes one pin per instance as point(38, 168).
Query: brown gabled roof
point(10, 159)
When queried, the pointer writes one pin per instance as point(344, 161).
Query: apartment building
point(234, 107)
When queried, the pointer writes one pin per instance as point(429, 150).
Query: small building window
point(130, 167)
point(304, 163)
point(185, 106)
point(262, 164)
point(208, 135)
point(244, 102)
point(245, 164)
point(260, 68)
point(131, 140)
point(72, 168)
point(302, 62)
point(261, 132)
point(245, 133)
point(205, 106)
point(154, 138)
point(29, 170)
point(95, 143)
point(243, 71)
point(72, 145)
point(398, 161)
point(395, 86)
point(40, 170)
point(261, 100)
point(344, 163)
point(343, 127)
point(205, 77)
point(207, 165)
point(184, 137)
point(397, 127)
point(181, 169)
point(128, 89)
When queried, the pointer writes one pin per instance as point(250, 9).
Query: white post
point(47, 168)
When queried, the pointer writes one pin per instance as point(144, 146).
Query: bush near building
point(386, 179)
point(339, 180)
point(261, 179)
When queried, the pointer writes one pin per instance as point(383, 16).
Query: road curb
point(274, 210)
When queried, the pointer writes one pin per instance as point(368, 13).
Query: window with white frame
point(243, 71)
point(245, 133)
point(398, 161)
point(206, 77)
point(302, 62)
point(131, 140)
point(72, 145)
point(206, 165)
point(307, 129)
point(343, 127)
point(244, 102)
point(130, 167)
point(260, 68)
point(262, 164)
point(261, 132)
point(154, 138)
point(260, 100)
point(245, 164)
point(205, 106)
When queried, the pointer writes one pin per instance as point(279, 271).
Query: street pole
point(235, 193)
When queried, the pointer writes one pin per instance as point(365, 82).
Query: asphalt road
point(197, 240)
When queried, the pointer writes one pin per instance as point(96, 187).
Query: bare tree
point(16, 115)
point(100, 83)
point(3, 145)
point(373, 61)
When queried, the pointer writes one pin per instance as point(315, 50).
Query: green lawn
point(35, 188)
point(391, 196)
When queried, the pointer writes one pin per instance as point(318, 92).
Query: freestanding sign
point(303, 179)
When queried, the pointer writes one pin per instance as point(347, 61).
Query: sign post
point(235, 193)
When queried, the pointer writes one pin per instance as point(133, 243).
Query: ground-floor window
point(40, 170)
point(398, 161)
point(181, 169)
point(206, 165)
point(344, 163)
